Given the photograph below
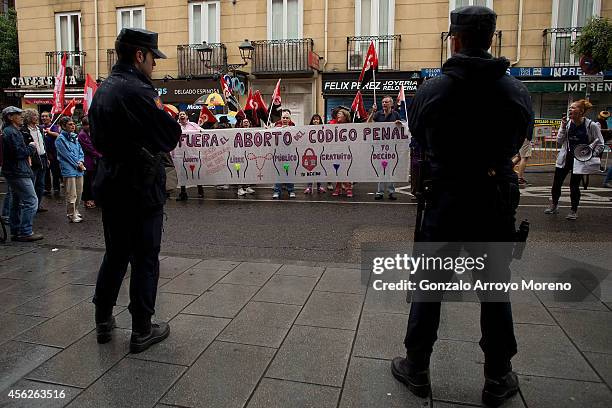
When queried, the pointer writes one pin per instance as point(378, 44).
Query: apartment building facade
point(315, 46)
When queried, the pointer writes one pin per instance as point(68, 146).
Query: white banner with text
point(364, 152)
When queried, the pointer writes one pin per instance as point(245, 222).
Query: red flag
point(358, 108)
point(90, 89)
point(206, 116)
point(60, 87)
point(69, 109)
point(275, 106)
point(370, 65)
point(261, 108)
point(250, 109)
point(230, 100)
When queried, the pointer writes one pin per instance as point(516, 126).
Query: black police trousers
point(131, 237)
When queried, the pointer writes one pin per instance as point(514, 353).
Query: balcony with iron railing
point(191, 64)
point(75, 63)
point(495, 49)
point(288, 57)
point(556, 43)
point(387, 48)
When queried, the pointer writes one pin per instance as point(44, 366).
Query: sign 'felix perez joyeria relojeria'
point(356, 152)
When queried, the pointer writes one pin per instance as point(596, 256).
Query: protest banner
point(364, 152)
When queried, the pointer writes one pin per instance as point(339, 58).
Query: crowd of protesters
point(47, 155)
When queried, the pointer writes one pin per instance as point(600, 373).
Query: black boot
point(104, 330)
point(417, 381)
point(498, 390)
point(141, 341)
point(182, 196)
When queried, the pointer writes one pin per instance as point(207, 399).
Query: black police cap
point(140, 38)
point(473, 18)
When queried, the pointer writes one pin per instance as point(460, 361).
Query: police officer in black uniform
point(470, 121)
point(132, 131)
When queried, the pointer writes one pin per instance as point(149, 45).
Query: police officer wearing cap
point(132, 131)
point(470, 121)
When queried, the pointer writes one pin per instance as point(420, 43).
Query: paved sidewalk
point(262, 334)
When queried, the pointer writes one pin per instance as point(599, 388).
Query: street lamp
point(206, 50)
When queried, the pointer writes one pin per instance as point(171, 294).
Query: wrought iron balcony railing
point(445, 46)
point(556, 44)
point(190, 64)
point(75, 63)
point(283, 56)
point(111, 59)
point(387, 49)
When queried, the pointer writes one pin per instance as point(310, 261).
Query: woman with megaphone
point(581, 144)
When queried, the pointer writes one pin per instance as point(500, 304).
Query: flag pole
point(374, 80)
point(60, 114)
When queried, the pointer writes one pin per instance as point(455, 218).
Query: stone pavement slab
point(54, 303)
point(261, 324)
point(13, 325)
point(131, 383)
point(65, 328)
point(335, 310)
point(18, 358)
point(173, 266)
point(295, 360)
point(587, 328)
point(193, 281)
point(381, 335)
point(189, 336)
point(251, 273)
point(292, 290)
point(84, 361)
point(273, 393)
point(370, 384)
point(602, 364)
point(301, 270)
point(223, 377)
point(552, 392)
point(222, 300)
point(167, 306)
point(546, 351)
point(343, 280)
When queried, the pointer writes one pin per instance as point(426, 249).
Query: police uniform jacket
point(131, 130)
point(470, 121)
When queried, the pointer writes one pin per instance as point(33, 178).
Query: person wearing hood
point(72, 165)
point(470, 192)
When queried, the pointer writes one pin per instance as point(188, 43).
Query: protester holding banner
point(52, 174)
point(572, 136)
point(71, 161)
point(244, 189)
point(278, 187)
point(183, 120)
point(387, 114)
point(315, 120)
point(343, 116)
point(91, 163)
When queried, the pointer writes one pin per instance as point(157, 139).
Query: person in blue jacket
point(70, 156)
point(18, 174)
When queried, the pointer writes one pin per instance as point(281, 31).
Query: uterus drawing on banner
point(384, 160)
point(190, 164)
point(237, 165)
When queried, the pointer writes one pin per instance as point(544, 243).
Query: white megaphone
point(583, 152)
